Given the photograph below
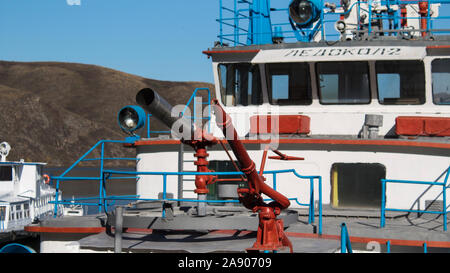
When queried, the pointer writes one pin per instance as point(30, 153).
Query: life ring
point(46, 178)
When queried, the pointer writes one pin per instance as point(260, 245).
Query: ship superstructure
point(343, 109)
point(25, 195)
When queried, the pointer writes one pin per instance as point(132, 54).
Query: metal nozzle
point(153, 103)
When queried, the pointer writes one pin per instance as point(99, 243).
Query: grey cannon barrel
point(153, 103)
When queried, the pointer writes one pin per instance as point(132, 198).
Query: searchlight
point(131, 118)
point(303, 13)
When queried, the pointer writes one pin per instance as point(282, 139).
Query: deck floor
point(363, 227)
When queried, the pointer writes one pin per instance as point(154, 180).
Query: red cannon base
point(270, 236)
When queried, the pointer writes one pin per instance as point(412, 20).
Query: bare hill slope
point(54, 112)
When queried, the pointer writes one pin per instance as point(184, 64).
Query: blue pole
point(383, 201)
point(311, 200)
point(55, 210)
point(388, 246)
point(343, 239)
point(320, 205)
point(221, 25)
point(425, 247)
point(209, 111)
point(322, 25)
point(148, 125)
point(444, 206)
point(346, 246)
point(274, 181)
point(102, 154)
point(164, 195)
point(236, 37)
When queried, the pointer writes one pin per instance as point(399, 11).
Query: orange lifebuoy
point(46, 178)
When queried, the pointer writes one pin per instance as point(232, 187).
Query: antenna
point(4, 150)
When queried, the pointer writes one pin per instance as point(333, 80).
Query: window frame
point(269, 83)
point(432, 86)
point(318, 89)
point(394, 104)
point(223, 89)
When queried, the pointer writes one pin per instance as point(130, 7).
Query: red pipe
point(403, 13)
point(256, 182)
point(423, 10)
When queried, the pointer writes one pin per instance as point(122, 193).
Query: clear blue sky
point(157, 39)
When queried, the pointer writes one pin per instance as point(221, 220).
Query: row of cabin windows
point(398, 82)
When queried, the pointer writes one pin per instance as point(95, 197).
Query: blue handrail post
point(320, 205)
point(164, 195)
point(444, 206)
point(444, 197)
point(274, 181)
point(425, 250)
point(383, 202)
point(236, 31)
point(388, 246)
point(148, 125)
point(55, 210)
point(311, 201)
point(346, 246)
point(101, 188)
point(221, 25)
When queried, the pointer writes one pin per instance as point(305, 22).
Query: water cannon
point(270, 235)
point(158, 107)
point(303, 13)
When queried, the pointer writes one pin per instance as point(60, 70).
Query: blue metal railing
point(310, 205)
point(236, 17)
point(444, 198)
point(100, 178)
point(194, 117)
point(107, 174)
point(102, 158)
point(346, 245)
point(208, 103)
point(388, 247)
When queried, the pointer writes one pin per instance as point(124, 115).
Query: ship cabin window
point(240, 84)
point(343, 82)
point(5, 173)
point(289, 84)
point(400, 82)
point(440, 69)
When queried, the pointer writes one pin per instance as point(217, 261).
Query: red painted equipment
point(422, 126)
point(270, 234)
point(423, 10)
point(280, 124)
point(282, 156)
point(403, 14)
point(199, 143)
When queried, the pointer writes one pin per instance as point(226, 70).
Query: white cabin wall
point(26, 185)
point(148, 186)
point(336, 119)
point(398, 166)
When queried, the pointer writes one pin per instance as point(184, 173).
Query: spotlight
point(131, 118)
point(340, 26)
point(304, 12)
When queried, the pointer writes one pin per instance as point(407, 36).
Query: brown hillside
point(55, 112)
